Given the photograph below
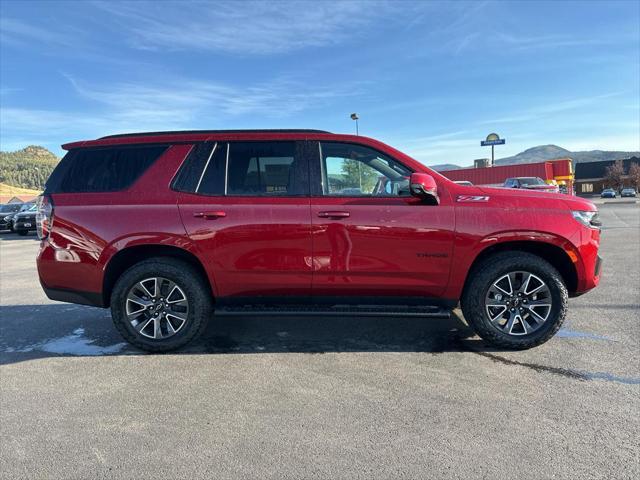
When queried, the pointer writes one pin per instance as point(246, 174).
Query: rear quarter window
point(102, 169)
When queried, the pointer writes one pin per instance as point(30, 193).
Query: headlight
point(588, 219)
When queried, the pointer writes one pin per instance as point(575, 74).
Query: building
point(560, 171)
point(16, 198)
point(591, 176)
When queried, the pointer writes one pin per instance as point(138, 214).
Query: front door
point(370, 237)
point(246, 206)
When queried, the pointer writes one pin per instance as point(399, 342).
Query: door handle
point(333, 214)
point(210, 215)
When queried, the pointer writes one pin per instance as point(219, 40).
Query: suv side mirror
point(423, 186)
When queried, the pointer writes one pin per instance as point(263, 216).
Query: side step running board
point(335, 310)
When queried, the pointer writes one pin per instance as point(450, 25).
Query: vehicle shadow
point(63, 330)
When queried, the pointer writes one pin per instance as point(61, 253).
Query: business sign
point(492, 139)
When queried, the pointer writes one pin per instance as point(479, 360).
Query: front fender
point(467, 251)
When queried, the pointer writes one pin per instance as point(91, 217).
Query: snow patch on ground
point(74, 344)
point(566, 333)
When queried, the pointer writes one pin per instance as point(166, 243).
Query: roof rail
point(182, 132)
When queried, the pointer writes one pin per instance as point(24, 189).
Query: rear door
point(246, 206)
point(370, 237)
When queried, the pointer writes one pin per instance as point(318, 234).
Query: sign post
point(493, 139)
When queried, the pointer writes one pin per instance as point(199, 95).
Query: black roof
point(586, 170)
point(182, 132)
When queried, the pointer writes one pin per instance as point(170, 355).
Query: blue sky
point(430, 78)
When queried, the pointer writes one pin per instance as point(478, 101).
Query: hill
point(27, 168)
point(550, 152)
point(445, 166)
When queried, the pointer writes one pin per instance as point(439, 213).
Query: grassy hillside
point(11, 190)
point(27, 168)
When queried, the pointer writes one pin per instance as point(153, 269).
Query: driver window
point(352, 171)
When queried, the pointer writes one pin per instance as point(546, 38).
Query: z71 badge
point(472, 198)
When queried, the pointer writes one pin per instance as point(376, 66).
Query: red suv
point(164, 228)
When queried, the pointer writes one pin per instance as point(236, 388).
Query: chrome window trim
point(206, 165)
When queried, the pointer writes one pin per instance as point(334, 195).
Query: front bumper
point(598, 266)
point(29, 225)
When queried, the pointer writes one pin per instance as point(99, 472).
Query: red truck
point(167, 227)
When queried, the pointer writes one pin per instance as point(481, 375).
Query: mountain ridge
point(543, 153)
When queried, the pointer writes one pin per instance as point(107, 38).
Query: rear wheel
point(515, 300)
point(22, 233)
point(161, 304)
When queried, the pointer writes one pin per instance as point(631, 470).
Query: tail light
point(44, 216)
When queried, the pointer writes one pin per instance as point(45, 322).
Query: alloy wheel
point(518, 303)
point(157, 308)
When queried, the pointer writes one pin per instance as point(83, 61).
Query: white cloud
point(545, 110)
point(181, 100)
point(178, 103)
point(242, 27)
point(18, 32)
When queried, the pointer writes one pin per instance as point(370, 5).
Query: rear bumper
point(74, 296)
point(65, 278)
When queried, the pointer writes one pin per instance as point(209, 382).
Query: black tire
point(22, 233)
point(187, 278)
point(481, 279)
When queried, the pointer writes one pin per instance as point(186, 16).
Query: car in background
point(6, 221)
point(628, 192)
point(25, 222)
point(463, 182)
point(7, 210)
point(530, 183)
point(608, 193)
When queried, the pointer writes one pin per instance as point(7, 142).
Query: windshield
point(12, 207)
point(531, 181)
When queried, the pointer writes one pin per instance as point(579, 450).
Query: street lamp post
point(354, 116)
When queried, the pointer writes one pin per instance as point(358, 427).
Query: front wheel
point(160, 304)
point(515, 300)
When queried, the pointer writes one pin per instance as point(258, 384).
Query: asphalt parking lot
point(322, 397)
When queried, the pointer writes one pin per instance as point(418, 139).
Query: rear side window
point(102, 169)
point(262, 168)
point(203, 170)
point(245, 168)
